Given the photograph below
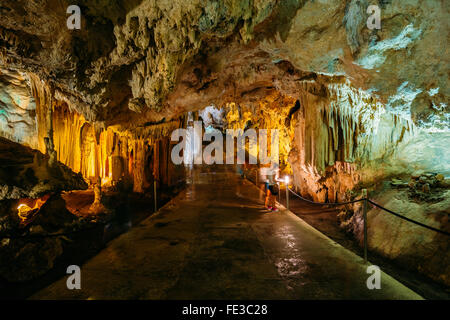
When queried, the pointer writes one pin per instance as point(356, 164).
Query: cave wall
point(26, 173)
point(332, 135)
point(112, 154)
point(270, 112)
point(17, 108)
point(342, 138)
point(133, 56)
point(31, 110)
point(135, 62)
point(412, 246)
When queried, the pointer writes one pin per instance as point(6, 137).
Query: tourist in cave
point(271, 187)
point(131, 132)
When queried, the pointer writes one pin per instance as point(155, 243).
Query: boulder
point(23, 260)
point(411, 245)
point(445, 183)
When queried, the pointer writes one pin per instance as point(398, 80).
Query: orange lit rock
point(25, 173)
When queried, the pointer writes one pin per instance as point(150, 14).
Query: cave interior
point(91, 94)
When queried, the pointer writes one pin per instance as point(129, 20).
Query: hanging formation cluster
point(338, 135)
point(136, 157)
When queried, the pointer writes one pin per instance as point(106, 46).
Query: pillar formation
point(49, 142)
point(97, 207)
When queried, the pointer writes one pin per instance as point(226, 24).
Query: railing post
point(364, 195)
point(279, 192)
point(287, 196)
point(154, 195)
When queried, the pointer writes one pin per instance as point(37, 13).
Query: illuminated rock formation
point(131, 55)
point(17, 108)
point(354, 106)
point(26, 173)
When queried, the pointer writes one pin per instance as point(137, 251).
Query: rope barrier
point(408, 219)
point(330, 203)
point(376, 205)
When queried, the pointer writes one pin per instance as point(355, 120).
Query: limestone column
point(97, 207)
point(48, 140)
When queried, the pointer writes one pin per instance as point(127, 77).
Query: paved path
point(216, 241)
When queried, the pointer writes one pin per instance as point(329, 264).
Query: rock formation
point(355, 106)
point(26, 173)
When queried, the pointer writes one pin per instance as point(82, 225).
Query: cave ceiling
point(138, 61)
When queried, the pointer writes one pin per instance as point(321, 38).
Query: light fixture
point(286, 180)
point(23, 211)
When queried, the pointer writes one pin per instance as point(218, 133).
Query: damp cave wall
point(341, 139)
point(114, 155)
point(136, 158)
point(337, 140)
point(333, 138)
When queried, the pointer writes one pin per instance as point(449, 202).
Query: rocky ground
point(26, 173)
point(63, 232)
point(30, 250)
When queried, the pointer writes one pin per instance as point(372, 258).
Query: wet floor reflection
point(216, 241)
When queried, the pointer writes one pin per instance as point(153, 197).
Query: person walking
point(271, 187)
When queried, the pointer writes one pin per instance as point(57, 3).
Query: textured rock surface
point(17, 108)
point(427, 151)
point(136, 63)
point(409, 244)
point(25, 173)
point(354, 106)
point(27, 251)
point(28, 259)
point(132, 55)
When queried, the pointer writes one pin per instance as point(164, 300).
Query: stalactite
point(138, 166)
point(42, 96)
point(352, 129)
point(269, 113)
point(114, 155)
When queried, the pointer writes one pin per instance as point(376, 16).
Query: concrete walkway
point(216, 241)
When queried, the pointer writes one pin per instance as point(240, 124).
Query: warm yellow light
point(23, 211)
point(106, 180)
point(286, 180)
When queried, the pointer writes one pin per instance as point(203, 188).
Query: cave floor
point(216, 241)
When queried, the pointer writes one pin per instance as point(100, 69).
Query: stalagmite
point(49, 142)
point(98, 207)
point(87, 113)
